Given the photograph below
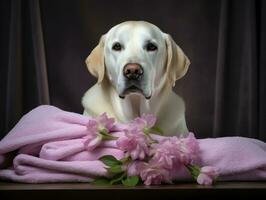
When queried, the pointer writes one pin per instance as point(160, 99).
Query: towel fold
point(47, 145)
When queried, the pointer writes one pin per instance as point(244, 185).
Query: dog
point(136, 65)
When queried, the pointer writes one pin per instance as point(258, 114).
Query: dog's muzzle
point(133, 73)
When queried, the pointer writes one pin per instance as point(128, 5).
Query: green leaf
point(157, 130)
point(107, 136)
point(125, 160)
point(110, 160)
point(100, 181)
point(131, 181)
point(115, 169)
point(117, 178)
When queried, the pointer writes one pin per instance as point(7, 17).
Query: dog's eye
point(117, 46)
point(151, 47)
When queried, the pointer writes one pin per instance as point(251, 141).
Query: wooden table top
point(221, 190)
point(87, 186)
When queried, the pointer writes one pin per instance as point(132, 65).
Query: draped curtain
point(240, 70)
point(44, 45)
point(24, 82)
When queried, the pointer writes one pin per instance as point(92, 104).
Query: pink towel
point(47, 145)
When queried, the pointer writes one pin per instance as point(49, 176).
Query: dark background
point(44, 44)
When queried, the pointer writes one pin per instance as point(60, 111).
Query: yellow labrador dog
point(137, 65)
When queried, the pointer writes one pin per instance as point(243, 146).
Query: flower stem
point(106, 135)
point(194, 170)
point(147, 131)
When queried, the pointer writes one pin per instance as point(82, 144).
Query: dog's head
point(136, 57)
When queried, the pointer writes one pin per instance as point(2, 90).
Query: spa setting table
point(56, 158)
point(220, 190)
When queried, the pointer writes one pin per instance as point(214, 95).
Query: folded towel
point(47, 145)
point(237, 158)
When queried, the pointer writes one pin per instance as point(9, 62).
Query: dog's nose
point(132, 71)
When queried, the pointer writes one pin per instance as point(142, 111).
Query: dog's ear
point(95, 61)
point(177, 62)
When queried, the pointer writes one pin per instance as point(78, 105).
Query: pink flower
point(188, 148)
point(92, 141)
point(134, 143)
point(165, 153)
point(173, 151)
point(207, 175)
point(154, 175)
point(95, 126)
point(101, 123)
point(145, 121)
point(134, 167)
